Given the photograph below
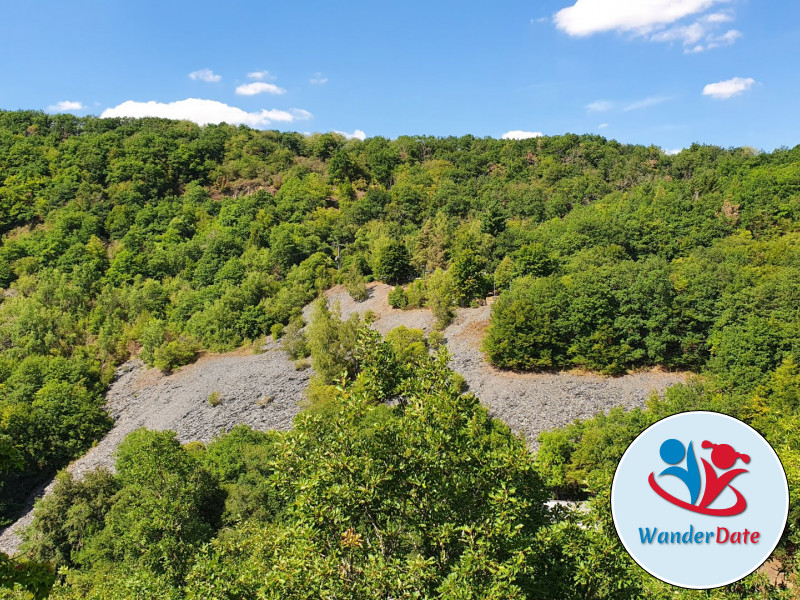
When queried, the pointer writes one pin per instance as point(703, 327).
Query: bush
point(407, 344)
point(67, 517)
point(294, 340)
point(416, 294)
point(356, 284)
point(443, 312)
point(459, 383)
point(215, 399)
point(358, 290)
point(392, 263)
point(397, 298)
point(331, 342)
point(469, 278)
point(25, 580)
point(440, 290)
point(528, 328)
point(168, 507)
point(277, 331)
point(175, 354)
point(435, 339)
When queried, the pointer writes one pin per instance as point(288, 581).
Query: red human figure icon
point(724, 457)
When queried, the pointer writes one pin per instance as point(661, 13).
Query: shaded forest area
point(164, 239)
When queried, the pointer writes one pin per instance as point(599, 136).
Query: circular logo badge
point(699, 500)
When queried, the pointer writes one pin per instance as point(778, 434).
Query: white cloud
point(259, 87)
point(356, 135)
point(600, 106)
point(655, 20)
point(66, 106)
point(586, 17)
point(318, 79)
point(673, 152)
point(645, 103)
point(260, 75)
point(516, 134)
point(602, 125)
point(730, 87)
point(205, 75)
point(203, 112)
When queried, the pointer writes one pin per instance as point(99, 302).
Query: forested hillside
point(162, 239)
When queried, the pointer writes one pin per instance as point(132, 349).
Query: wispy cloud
point(516, 134)
point(318, 79)
point(610, 105)
point(66, 106)
point(260, 75)
point(645, 103)
point(300, 115)
point(602, 125)
point(718, 17)
point(600, 106)
point(726, 39)
point(697, 37)
point(259, 87)
point(722, 90)
point(205, 75)
point(203, 112)
point(681, 21)
point(687, 34)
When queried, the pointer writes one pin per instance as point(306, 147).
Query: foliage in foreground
point(396, 486)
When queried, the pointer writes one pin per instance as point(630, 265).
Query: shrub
point(356, 284)
point(459, 383)
point(277, 331)
point(435, 339)
point(397, 298)
point(417, 294)
point(407, 344)
point(215, 398)
point(441, 296)
point(392, 263)
point(175, 354)
point(294, 340)
point(442, 311)
point(358, 290)
point(331, 342)
point(302, 364)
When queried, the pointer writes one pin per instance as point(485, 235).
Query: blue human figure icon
point(672, 452)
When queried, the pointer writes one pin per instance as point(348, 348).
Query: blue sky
point(663, 72)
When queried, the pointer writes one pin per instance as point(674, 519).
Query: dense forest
point(162, 239)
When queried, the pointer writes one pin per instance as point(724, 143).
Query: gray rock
point(528, 402)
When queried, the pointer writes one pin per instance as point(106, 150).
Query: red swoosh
point(737, 508)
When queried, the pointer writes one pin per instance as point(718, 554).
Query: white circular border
point(785, 486)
